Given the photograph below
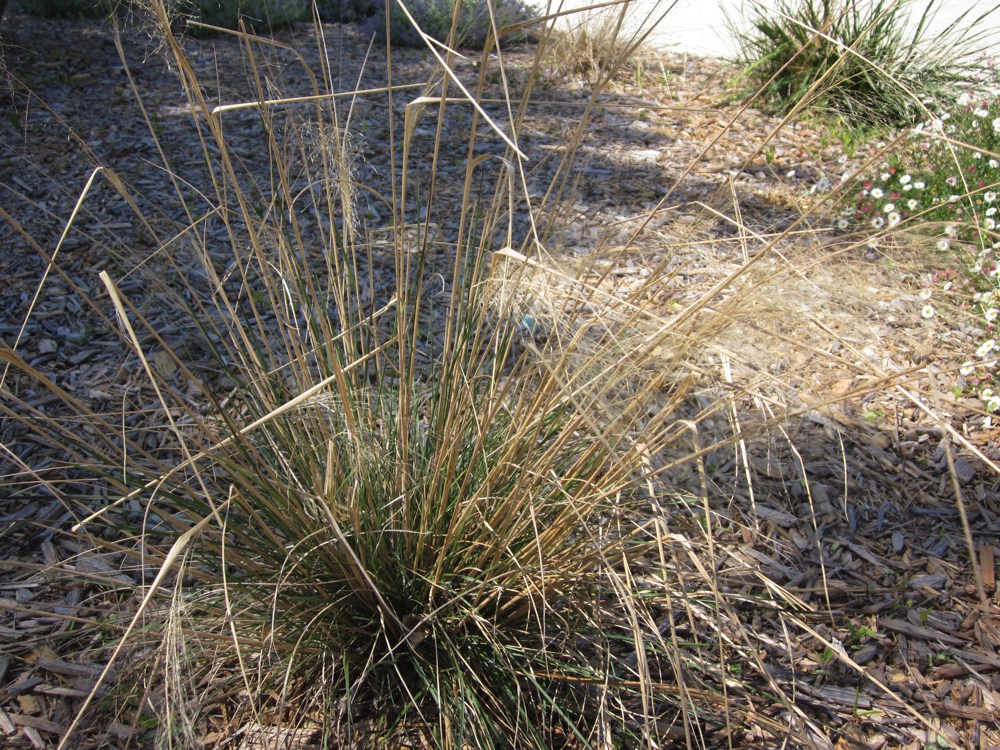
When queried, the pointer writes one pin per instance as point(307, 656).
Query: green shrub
point(66, 8)
point(257, 15)
point(347, 11)
point(435, 19)
point(856, 61)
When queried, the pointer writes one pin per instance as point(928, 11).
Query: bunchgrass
point(592, 44)
point(396, 498)
point(406, 485)
point(857, 62)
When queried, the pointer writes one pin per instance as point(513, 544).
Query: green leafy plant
point(256, 15)
point(67, 8)
point(347, 11)
point(856, 61)
point(477, 21)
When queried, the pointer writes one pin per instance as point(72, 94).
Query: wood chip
point(837, 695)
point(987, 568)
point(59, 666)
point(37, 722)
point(916, 631)
point(950, 708)
point(778, 517)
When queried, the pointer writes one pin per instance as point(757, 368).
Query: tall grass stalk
point(412, 484)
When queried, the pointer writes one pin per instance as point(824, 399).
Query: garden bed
point(840, 493)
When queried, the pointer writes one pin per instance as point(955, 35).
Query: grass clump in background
point(857, 62)
point(593, 44)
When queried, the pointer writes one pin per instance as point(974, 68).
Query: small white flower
point(991, 314)
point(926, 294)
point(952, 181)
point(991, 211)
point(888, 208)
point(993, 163)
point(947, 287)
point(878, 222)
point(912, 204)
point(976, 155)
point(985, 348)
point(981, 112)
point(953, 199)
point(990, 224)
point(886, 176)
point(919, 184)
point(950, 231)
point(943, 245)
point(986, 394)
point(927, 311)
point(907, 187)
point(904, 179)
point(992, 404)
point(996, 126)
point(893, 218)
point(990, 196)
point(843, 223)
point(876, 193)
point(967, 369)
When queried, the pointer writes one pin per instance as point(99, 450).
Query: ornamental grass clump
point(857, 62)
point(393, 483)
point(591, 44)
point(387, 471)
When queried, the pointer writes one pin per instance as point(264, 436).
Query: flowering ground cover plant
point(942, 181)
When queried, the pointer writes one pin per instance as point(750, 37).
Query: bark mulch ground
point(851, 505)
